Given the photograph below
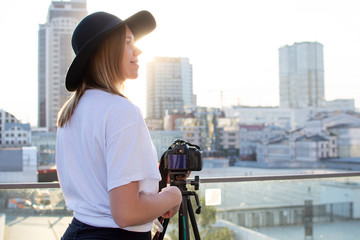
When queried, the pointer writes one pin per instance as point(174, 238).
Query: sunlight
point(233, 47)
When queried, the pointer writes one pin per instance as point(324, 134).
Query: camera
point(182, 156)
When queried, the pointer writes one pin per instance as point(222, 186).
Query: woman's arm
point(129, 207)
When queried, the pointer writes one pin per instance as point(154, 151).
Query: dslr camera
point(182, 156)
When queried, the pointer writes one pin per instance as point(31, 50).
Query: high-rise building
point(169, 86)
point(301, 70)
point(54, 57)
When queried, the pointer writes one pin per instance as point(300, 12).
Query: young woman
point(106, 162)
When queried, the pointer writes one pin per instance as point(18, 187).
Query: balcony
point(261, 207)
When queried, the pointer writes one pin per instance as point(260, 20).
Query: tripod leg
point(160, 235)
point(181, 225)
point(193, 220)
point(183, 221)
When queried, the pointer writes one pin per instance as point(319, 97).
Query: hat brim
point(140, 24)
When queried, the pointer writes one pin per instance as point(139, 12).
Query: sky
point(232, 44)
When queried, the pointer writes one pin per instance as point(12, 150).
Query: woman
point(106, 162)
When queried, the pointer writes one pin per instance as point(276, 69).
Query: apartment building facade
point(301, 74)
point(54, 57)
point(169, 86)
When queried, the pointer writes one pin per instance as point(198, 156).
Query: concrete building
point(193, 130)
point(301, 73)
point(295, 147)
point(326, 137)
point(228, 134)
point(169, 86)
point(325, 121)
point(312, 148)
point(18, 165)
point(18, 134)
point(12, 132)
point(54, 57)
point(162, 139)
point(288, 118)
point(348, 139)
point(18, 160)
point(276, 150)
point(251, 135)
point(282, 117)
point(338, 105)
point(200, 129)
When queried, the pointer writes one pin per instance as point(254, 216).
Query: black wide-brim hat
point(92, 30)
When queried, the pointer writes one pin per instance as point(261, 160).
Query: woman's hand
point(178, 196)
point(172, 212)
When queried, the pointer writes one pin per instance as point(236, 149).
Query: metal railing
point(209, 179)
point(251, 207)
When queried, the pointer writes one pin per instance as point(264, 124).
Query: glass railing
point(307, 206)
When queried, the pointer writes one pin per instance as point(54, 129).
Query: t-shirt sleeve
point(131, 156)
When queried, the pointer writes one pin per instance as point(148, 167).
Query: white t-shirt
point(106, 144)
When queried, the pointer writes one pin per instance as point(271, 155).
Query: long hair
point(103, 71)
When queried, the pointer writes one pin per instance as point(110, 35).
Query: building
point(312, 148)
point(324, 138)
point(228, 136)
point(348, 139)
point(163, 139)
point(45, 143)
point(251, 135)
point(18, 161)
point(200, 129)
point(277, 149)
point(339, 105)
point(169, 86)
point(281, 117)
point(54, 57)
point(298, 148)
point(301, 73)
point(12, 132)
point(326, 121)
point(18, 165)
point(288, 118)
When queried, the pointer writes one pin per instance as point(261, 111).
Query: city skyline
point(233, 47)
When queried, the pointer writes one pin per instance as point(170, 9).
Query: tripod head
point(181, 184)
point(175, 165)
point(177, 179)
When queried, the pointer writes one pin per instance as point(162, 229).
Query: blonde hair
point(103, 71)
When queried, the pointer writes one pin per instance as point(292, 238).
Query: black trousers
point(78, 230)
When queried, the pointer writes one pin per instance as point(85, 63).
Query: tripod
point(185, 210)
